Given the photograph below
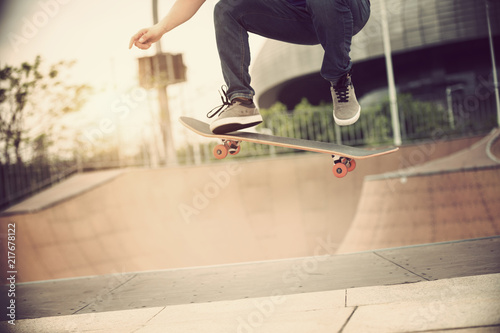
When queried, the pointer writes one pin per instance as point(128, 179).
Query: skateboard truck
point(228, 146)
point(342, 165)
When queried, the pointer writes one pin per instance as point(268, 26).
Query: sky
point(96, 34)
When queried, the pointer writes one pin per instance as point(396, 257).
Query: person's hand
point(145, 37)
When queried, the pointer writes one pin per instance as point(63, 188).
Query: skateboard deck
point(341, 154)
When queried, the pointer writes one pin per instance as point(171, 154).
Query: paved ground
point(447, 286)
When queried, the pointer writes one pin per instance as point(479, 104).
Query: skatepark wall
point(426, 209)
point(221, 213)
point(453, 198)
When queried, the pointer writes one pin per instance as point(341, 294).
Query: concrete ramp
point(456, 197)
point(178, 217)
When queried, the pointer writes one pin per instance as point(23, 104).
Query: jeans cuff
point(243, 95)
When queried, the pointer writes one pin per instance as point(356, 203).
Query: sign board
point(161, 70)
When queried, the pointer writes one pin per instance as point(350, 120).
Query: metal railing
point(420, 121)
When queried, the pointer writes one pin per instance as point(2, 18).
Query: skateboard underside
point(343, 155)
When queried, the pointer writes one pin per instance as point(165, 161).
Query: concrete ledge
point(65, 190)
point(450, 285)
point(452, 304)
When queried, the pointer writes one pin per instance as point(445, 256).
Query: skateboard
point(344, 157)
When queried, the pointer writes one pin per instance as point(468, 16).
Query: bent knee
point(223, 7)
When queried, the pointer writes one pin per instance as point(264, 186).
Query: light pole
point(449, 101)
point(493, 62)
point(166, 125)
point(396, 128)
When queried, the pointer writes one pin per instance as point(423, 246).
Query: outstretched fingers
point(140, 39)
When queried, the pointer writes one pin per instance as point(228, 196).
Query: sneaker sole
point(228, 125)
point(347, 122)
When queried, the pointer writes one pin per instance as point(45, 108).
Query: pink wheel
point(235, 151)
point(220, 152)
point(340, 170)
point(351, 165)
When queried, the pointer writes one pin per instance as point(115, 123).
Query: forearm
point(181, 11)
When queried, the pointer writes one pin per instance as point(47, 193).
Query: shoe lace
point(225, 102)
point(342, 89)
point(342, 94)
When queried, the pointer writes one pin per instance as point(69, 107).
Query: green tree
point(418, 120)
point(33, 96)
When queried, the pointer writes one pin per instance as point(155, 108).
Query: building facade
point(440, 49)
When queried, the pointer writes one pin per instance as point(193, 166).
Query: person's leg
point(336, 22)
point(275, 19)
point(329, 22)
point(332, 23)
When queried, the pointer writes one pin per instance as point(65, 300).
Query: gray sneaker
point(346, 109)
point(238, 115)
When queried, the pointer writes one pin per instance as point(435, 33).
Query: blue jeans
point(331, 23)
